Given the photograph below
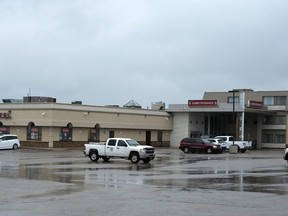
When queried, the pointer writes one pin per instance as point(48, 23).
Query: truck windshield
point(132, 142)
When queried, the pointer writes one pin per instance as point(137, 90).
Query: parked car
point(285, 157)
point(217, 141)
point(9, 141)
point(196, 144)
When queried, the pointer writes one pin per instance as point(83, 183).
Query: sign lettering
point(202, 103)
point(5, 115)
point(255, 104)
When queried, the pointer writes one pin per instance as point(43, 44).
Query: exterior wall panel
point(50, 118)
point(180, 128)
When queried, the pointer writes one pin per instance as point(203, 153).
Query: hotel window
point(268, 101)
point(280, 100)
point(230, 99)
point(267, 120)
point(277, 100)
point(267, 138)
point(279, 138)
point(280, 120)
point(274, 120)
point(273, 136)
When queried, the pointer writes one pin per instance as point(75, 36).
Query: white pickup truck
point(126, 148)
point(228, 141)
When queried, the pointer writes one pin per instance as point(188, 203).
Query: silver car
point(218, 142)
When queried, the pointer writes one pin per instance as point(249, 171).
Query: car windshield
point(221, 138)
point(132, 142)
point(206, 141)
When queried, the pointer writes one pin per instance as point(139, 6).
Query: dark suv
point(196, 144)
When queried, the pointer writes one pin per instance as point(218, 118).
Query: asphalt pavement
point(64, 182)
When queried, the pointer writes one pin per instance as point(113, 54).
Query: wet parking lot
point(64, 182)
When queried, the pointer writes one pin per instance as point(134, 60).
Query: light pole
point(233, 116)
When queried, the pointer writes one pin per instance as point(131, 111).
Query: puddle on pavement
point(124, 175)
point(276, 184)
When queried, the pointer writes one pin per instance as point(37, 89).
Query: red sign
point(5, 115)
point(35, 129)
point(93, 130)
point(65, 130)
point(4, 129)
point(255, 104)
point(202, 103)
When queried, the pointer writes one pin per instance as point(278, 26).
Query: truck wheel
point(186, 150)
point(134, 157)
point(239, 150)
point(286, 157)
point(94, 156)
point(243, 150)
point(106, 159)
point(146, 160)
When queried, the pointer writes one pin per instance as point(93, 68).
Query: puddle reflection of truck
point(113, 178)
point(229, 140)
point(125, 148)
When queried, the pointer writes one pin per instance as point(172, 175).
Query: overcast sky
point(112, 51)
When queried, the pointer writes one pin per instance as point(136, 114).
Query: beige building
point(54, 125)
point(257, 116)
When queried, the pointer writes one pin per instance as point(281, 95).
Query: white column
point(50, 137)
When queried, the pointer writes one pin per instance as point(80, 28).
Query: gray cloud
point(112, 51)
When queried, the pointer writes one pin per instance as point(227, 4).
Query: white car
point(9, 141)
point(218, 142)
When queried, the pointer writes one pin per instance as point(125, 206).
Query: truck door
point(111, 147)
point(122, 149)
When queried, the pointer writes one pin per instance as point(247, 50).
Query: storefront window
point(94, 134)
point(66, 133)
point(33, 132)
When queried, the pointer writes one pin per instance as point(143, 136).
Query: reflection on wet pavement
point(170, 170)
